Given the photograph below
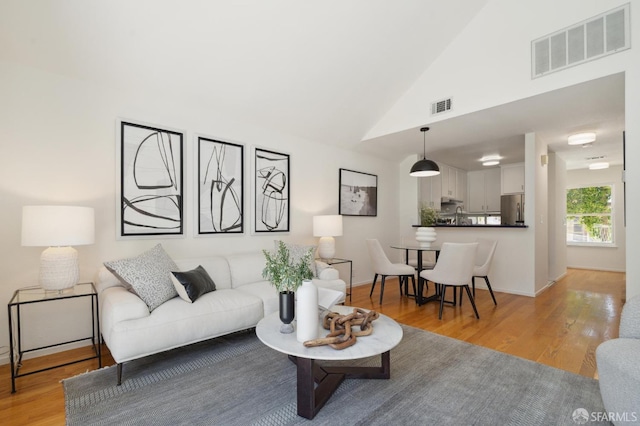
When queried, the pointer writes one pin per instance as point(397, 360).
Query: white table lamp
point(59, 228)
point(326, 227)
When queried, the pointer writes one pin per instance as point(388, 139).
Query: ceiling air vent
point(594, 38)
point(439, 107)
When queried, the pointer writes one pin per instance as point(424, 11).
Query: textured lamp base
point(327, 247)
point(59, 268)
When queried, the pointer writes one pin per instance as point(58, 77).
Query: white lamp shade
point(327, 226)
point(57, 226)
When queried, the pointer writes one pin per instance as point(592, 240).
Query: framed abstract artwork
point(271, 191)
point(150, 194)
point(220, 187)
point(358, 194)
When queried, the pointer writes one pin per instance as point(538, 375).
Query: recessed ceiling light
point(581, 138)
point(491, 163)
point(598, 166)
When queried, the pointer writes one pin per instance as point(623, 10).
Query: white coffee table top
point(386, 335)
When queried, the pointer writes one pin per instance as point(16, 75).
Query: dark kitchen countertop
point(476, 226)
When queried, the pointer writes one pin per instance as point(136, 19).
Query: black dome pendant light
point(424, 167)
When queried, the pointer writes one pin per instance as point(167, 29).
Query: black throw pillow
point(192, 284)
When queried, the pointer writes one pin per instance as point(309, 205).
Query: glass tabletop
point(38, 294)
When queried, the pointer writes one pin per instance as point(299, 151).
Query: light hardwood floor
point(561, 328)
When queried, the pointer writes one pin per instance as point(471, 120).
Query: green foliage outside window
point(592, 206)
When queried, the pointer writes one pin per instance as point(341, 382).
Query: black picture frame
point(358, 193)
point(220, 187)
point(271, 191)
point(151, 196)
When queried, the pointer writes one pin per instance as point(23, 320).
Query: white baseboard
point(597, 269)
point(517, 293)
point(558, 278)
point(4, 358)
point(545, 288)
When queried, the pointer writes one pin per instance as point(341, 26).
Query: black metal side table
point(337, 261)
point(30, 295)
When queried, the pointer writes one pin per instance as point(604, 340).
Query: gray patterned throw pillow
point(148, 274)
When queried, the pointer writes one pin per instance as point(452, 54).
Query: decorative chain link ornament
point(341, 333)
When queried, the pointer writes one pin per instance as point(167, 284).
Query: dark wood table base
point(311, 398)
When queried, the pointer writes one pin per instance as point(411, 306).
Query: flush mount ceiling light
point(581, 138)
point(491, 160)
point(599, 166)
point(424, 167)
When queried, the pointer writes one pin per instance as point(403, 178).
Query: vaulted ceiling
point(326, 71)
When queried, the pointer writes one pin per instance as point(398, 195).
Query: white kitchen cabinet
point(444, 179)
point(475, 192)
point(512, 179)
point(492, 190)
point(484, 191)
point(454, 182)
point(430, 191)
point(461, 186)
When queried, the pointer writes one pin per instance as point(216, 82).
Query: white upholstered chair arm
point(630, 319)
point(117, 305)
point(619, 375)
point(329, 273)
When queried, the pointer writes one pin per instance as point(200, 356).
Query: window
point(589, 215)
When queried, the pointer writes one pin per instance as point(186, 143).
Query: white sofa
point(619, 370)
point(242, 297)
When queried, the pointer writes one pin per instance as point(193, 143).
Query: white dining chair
point(454, 268)
point(484, 259)
point(383, 266)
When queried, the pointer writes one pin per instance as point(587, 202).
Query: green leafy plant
point(428, 216)
point(285, 273)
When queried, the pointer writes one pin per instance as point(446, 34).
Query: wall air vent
point(439, 107)
point(594, 38)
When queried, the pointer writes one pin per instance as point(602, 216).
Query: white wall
point(59, 143)
point(512, 269)
point(58, 140)
point(489, 64)
point(536, 182)
point(632, 172)
point(601, 258)
point(557, 214)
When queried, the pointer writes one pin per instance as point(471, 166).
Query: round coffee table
point(311, 398)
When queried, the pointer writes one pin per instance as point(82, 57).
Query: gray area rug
point(236, 380)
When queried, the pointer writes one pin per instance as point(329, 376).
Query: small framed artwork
point(151, 201)
point(271, 191)
point(220, 187)
point(358, 194)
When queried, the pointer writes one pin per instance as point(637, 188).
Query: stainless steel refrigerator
point(512, 209)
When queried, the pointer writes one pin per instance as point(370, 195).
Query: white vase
point(307, 312)
point(425, 236)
